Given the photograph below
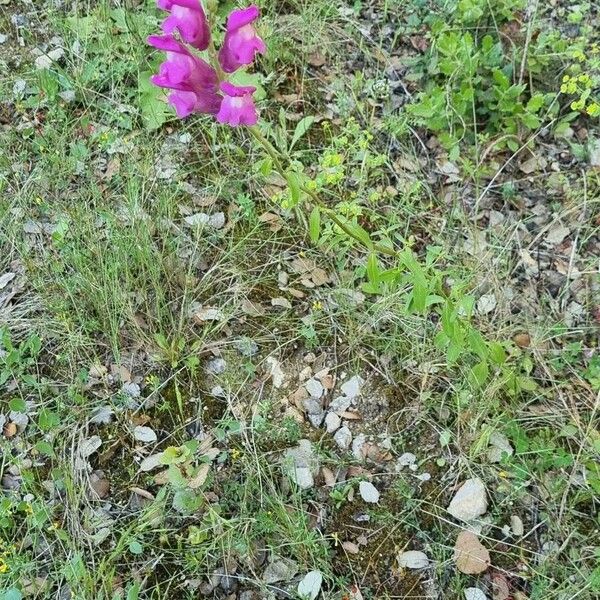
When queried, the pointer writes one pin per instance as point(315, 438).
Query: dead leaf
point(198, 480)
point(316, 59)
point(470, 555)
point(275, 222)
point(350, 547)
point(500, 589)
point(10, 430)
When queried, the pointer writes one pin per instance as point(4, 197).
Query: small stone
point(144, 434)
point(486, 304)
point(474, 593)
point(351, 389)
point(302, 464)
point(499, 447)
point(343, 437)
point(407, 459)
point(217, 220)
point(413, 559)
point(368, 492)
point(3, 38)
point(197, 219)
point(281, 569)
point(516, 526)
point(215, 366)
point(43, 62)
point(340, 404)
point(470, 501)
point(332, 422)
point(315, 412)
point(277, 374)
point(358, 445)
point(131, 389)
point(314, 388)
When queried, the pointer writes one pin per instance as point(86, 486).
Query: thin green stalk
point(276, 156)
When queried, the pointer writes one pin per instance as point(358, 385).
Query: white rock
point(474, 593)
point(516, 526)
point(486, 304)
point(357, 446)
point(332, 422)
point(470, 501)
point(6, 279)
point(144, 434)
point(310, 586)
point(413, 559)
point(407, 459)
point(301, 464)
point(352, 387)
point(277, 374)
point(151, 462)
point(343, 437)
point(340, 404)
point(43, 62)
point(281, 569)
point(314, 388)
point(499, 447)
point(197, 219)
point(89, 446)
point(102, 415)
point(368, 492)
point(217, 220)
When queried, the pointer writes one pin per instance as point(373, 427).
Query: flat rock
point(281, 569)
point(413, 559)
point(470, 501)
point(474, 593)
point(343, 438)
point(368, 492)
point(332, 422)
point(302, 464)
point(314, 388)
point(352, 387)
point(340, 404)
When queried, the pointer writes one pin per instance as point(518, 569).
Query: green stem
point(276, 156)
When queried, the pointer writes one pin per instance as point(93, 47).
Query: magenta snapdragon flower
point(241, 40)
point(189, 19)
point(194, 81)
point(237, 107)
point(197, 85)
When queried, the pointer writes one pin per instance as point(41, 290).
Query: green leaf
point(314, 224)
point(301, 128)
point(18, 405)
point(133, 592)
point(44, 447)
point(479, 374)
point(373, 269)
point(12, 594)
point(497, 353)
point(135, 548)
point(153, 109)
point(293, 181)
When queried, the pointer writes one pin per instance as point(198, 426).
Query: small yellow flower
point(593, 110)
point(235, 454)
point(317, 305)
point(3, 566)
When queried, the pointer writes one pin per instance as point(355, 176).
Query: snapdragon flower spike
point(193, 80)
point(237, 107)
point(241, 40)
point(189, 19)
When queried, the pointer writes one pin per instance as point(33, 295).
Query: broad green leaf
point(152, 106)
point(314, 224)
point(373, 268)
point(301, 128)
